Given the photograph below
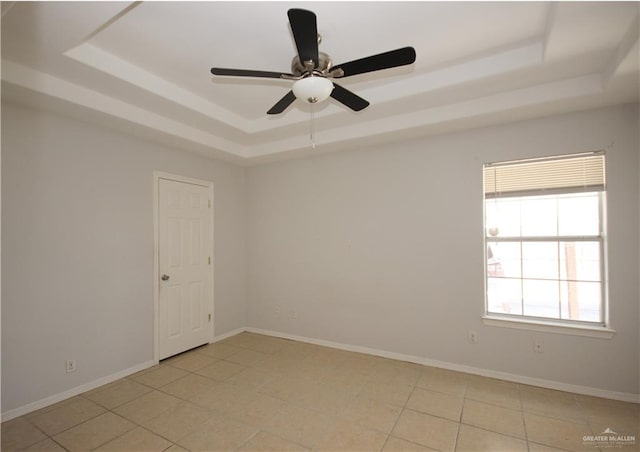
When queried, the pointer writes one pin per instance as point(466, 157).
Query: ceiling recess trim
point(55, 87)
point(505, 61)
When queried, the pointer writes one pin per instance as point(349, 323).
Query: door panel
point(174, 311)
point(195, 302)
point(184, 239)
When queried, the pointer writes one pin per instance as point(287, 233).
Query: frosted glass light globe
point(312, 89)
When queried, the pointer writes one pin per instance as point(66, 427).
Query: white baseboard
point(28, 408)
point(228, 334)
point(549, 384)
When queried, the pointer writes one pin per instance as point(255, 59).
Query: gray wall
point(77, 250)
point(383, 248)
point(378, 247)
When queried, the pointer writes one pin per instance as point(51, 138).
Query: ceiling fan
point(313, 71)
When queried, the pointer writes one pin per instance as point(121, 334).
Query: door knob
point(164, 277)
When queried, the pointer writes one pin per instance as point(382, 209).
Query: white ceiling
point(144, 66)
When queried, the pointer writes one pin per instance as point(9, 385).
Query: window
point(545, 239)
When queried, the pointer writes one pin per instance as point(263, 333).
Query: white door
point(184, 263)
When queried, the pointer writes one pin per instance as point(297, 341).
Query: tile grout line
point(135, 423)
point(524, 425)
point(464, 398)
point(401, 412)
point(47, 436)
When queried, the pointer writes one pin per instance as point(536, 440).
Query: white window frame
point(560, 326)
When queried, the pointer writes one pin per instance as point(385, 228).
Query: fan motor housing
point(324, 65)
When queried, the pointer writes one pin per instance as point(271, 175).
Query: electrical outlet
point(293, 314)
point(70, 365)
point(473, 337)
point(538, 346)
point(276, 311)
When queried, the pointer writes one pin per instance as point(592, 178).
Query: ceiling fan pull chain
point(311, 129)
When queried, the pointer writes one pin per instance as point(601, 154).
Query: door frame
point(157, 176)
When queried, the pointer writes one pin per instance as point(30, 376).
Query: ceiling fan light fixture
point(313, 70)
point(313, 89)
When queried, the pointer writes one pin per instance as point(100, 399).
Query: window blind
point(565, 174)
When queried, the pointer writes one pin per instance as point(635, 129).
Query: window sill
point(549, 327)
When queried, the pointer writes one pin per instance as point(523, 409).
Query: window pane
point(580, 261)
point(539, 216)
point(579, 214)
point(541, 298)
point(505, 215)
point(540, 260)
point(581, 301)
point(503, 259)
point(504, 296)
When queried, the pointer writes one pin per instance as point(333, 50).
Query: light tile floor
point(258, 393)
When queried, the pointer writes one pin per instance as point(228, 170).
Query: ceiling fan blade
point(282, 104)
point(386, 60)
point(246, 73)
point(351, 100)
point(305, 33)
